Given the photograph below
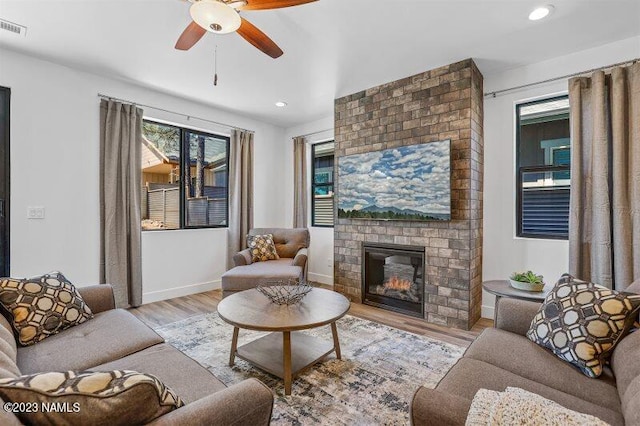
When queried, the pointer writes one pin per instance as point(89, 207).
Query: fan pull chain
point(215, 66)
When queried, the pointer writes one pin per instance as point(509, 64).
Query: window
point(184, 178)
point(543, 154)
point(322, 184)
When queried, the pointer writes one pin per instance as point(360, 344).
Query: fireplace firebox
point(393, 277)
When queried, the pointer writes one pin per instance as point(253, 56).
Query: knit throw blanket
point(517, 406)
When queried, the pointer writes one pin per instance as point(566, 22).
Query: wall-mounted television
point(404, 183)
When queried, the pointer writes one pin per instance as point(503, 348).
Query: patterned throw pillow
point(42, 306)
point(118, 397)
point(581, 322)
point(262, 247)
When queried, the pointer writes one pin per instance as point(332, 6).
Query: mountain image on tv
point(404, 183)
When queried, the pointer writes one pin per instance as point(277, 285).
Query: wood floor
point(167, 311)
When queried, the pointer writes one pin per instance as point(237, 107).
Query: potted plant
point(527, 281)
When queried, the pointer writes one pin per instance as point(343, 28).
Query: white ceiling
point(332, 47)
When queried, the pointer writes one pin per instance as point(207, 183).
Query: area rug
point(373, 384)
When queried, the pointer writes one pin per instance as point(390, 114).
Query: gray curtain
point(300, 189)
point(120, 181)
point(240, 192)
point(604, 219)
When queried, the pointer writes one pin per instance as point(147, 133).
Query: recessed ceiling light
point(540, 12)
point(281, 104)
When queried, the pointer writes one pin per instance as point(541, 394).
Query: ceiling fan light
point(215, 16)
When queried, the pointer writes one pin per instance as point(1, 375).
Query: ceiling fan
point(222, 17)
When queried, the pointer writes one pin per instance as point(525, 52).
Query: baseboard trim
point(487, 311)
point(320, 278)
point(170, 293)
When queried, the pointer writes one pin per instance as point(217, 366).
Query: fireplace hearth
point(393, 277)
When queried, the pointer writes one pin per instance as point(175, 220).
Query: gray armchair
point(292, 247)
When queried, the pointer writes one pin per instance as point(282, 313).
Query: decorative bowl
point(284, 293)
point(535, 287)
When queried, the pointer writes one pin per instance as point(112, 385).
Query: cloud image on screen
point(404, 183)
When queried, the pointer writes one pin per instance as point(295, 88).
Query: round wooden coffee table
point(286, 352)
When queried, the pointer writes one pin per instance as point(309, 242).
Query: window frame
point(184, 155)
point(314, 185)
point(521, 170)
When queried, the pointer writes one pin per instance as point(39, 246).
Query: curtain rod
point(576, 74)
point(189, 117)
point(314, 133)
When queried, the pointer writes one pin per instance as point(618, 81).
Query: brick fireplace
point(393, 277)
point(444, 103)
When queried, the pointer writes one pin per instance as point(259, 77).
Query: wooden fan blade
point(190, 36)
point(253, 35)
point(272, 4)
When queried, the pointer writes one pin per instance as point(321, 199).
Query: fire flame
point(395, 283)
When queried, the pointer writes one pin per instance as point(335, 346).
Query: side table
point(502, 288)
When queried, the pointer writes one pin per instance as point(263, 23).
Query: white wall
point(54, 164)
point(503, 252)
point(321, 248)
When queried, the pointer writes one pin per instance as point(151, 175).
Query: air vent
point(13, 27)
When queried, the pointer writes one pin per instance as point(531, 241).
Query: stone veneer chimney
point(444, 103)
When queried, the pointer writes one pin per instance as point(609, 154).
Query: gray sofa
point(115, 339)
point(292, 247)
point(503, 356)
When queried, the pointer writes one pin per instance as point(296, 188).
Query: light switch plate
point(35, 212)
